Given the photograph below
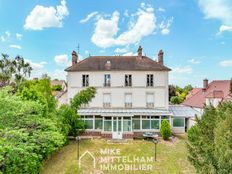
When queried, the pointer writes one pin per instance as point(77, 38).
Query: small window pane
point(155, 124)
point(98, 124)
point(126, 125)
point(136, 124)
point(89, 124)
point(107, 125)
point(146, 124)
point(178, 122)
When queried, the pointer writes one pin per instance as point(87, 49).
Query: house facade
point(132, 94)
point(211, 93)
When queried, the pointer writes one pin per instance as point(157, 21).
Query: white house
point(132, 94)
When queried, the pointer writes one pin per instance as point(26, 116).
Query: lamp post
point(78, 138)
point(156, 142)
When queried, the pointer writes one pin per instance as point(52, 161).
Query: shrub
point(165, 130)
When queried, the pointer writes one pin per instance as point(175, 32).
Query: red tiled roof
point(193, 92)
point(216, 89)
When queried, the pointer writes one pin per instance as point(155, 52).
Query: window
point(164, 118)
point(106, 100)
point(149, 79)
point(128, 80)
point(89, 124)
point(107, 124)
point(146, 124)
point(150, 100)
point(85, 80)
point(136, 123)
point(107, 80)
point(178, 122)
point(98, 123)
point(128, 100)
point(154, 124)
point(126, 124)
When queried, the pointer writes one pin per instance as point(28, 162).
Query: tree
point(231, 86)
point(68, 113)
point(6, 70)
point(165, 130)
point(22, 69)
point(57, 88)
point(176, 100)
point(210, 140)
point(13, 70)
point(172, 91)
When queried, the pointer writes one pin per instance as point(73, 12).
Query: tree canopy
point(210, 140)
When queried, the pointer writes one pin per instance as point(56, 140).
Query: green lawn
point(171, 158)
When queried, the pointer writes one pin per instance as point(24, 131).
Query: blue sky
point(195, 35)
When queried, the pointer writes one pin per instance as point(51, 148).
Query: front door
point(117, 128)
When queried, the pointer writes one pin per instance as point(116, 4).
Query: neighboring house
point(212, 93)
point(60, 83)
point(61, 95)
point(131, 98)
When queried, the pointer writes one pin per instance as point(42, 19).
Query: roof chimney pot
point(140, 52)
point(74, 58)
point(205, 84)
point(161, 57)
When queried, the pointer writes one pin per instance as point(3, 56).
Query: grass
point(171, 158)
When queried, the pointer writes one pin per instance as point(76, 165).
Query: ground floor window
point(107, 124)
point(136, 123)
point(126, 124)
point(98, 123)
point(178, 122)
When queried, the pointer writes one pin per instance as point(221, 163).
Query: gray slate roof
point(131, 63)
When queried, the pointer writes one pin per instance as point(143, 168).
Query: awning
point(183, 111)
point(123, 111)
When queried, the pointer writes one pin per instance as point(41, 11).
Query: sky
point(195, 35)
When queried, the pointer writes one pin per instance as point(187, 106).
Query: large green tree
point(210, 140)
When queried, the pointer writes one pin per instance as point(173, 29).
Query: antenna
point(78, 48)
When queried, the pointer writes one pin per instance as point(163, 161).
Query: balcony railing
point(85, 105)
point(107, 84)
point(150, 105)
point(128, 105)
point(106, 105)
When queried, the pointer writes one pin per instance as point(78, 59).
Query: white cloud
point(161, 9)
point(88, 17)
point(182, 70)
point(224, 28)
point(194, 61)
point(36, 65)
point(120, 50)
point(165, 26)
point(105, 34)
point(129, 54)
point(18, 36)
point(218, 9)
point(5, 36)
point(62, 59)
point(226, 63)
point(45, 17)
point(126, 14)
point(16, 46)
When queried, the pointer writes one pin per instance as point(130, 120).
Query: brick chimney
point(74, 58)
point(205, 84)
point(140, 52)
point(161, 57)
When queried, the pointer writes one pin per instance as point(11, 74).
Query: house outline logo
point(91, 155)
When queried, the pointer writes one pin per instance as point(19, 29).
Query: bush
point(165, 129)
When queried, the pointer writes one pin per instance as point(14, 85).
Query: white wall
point(213, 101)
point(117, 89)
